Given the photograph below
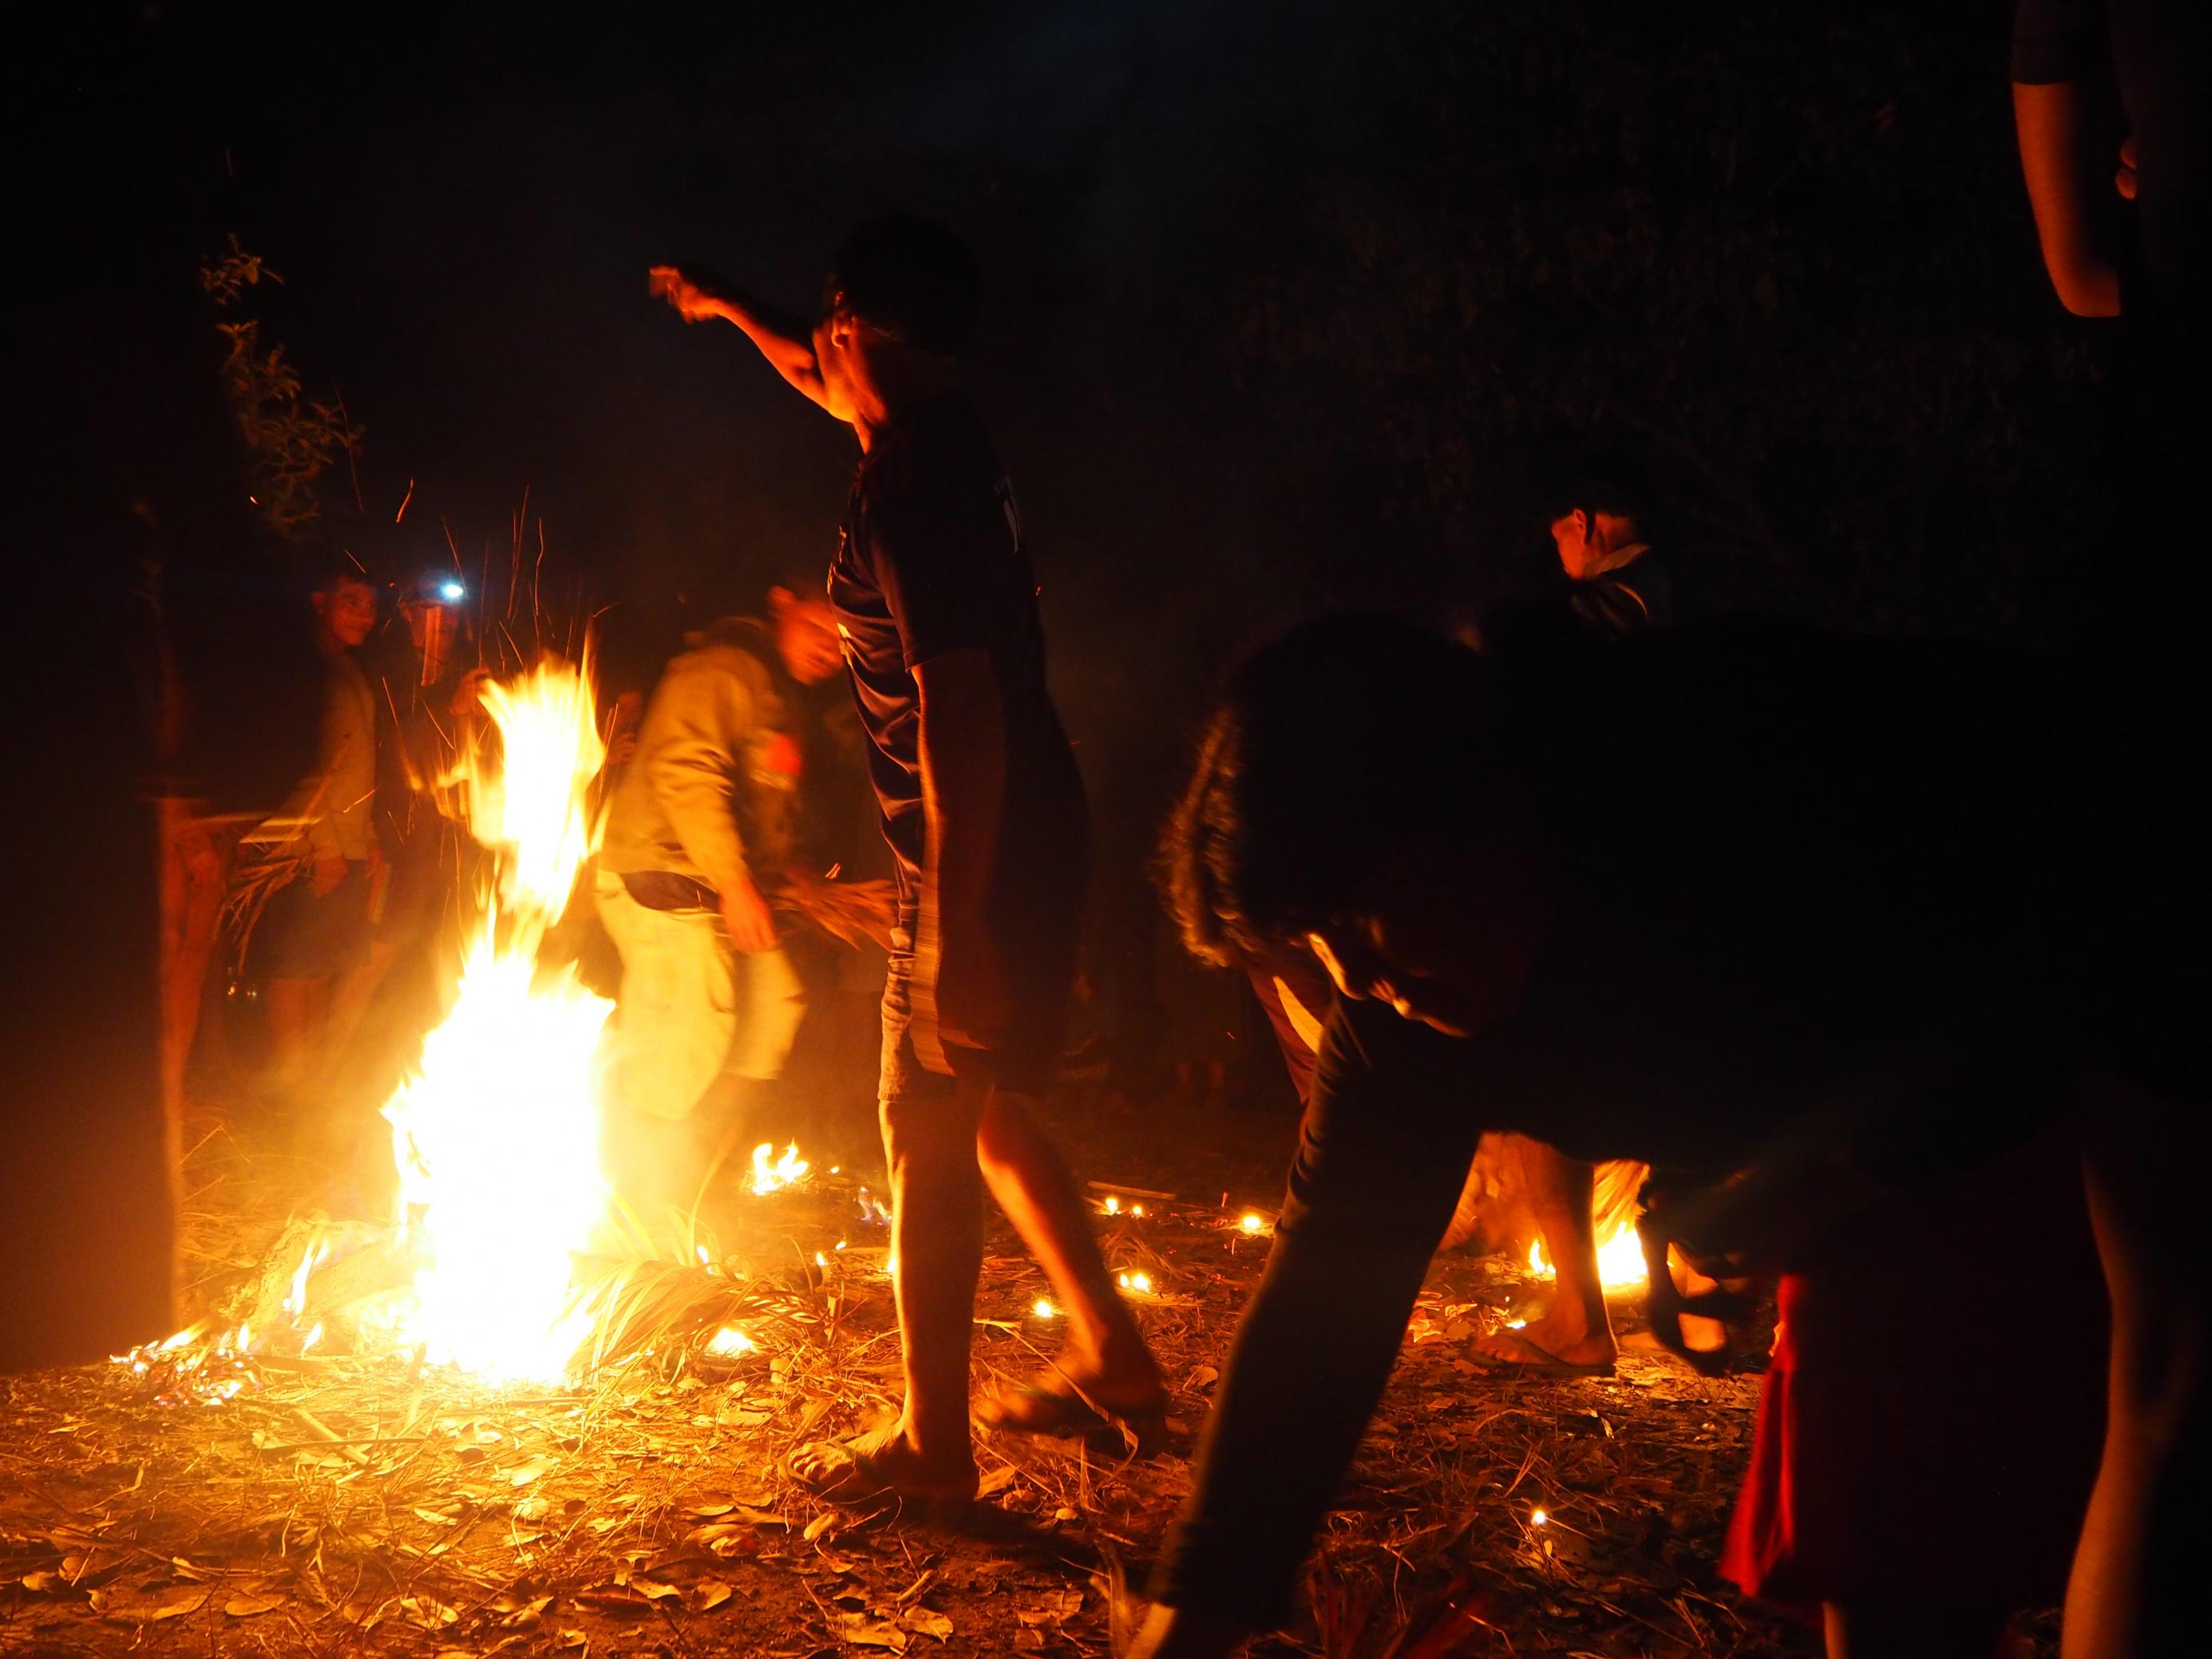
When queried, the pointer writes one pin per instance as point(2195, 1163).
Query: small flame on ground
point(728, 1342)
point(1044, 1310)
point(1111, 1206)
point(1140, 1282)
point(1252, 1225)
point(786, 1171)
point(1538, 1517)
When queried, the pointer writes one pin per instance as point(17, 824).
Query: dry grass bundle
point(254, 883)
point(646, 1306)
point(854, 912)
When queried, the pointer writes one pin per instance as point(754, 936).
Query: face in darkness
point(805, 634)
point(1446, 933)
point(1571, 534)
point(347, 612)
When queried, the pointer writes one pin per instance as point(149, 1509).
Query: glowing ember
point(1252, 1225)
point(1140, 1282)
point(1619, 1259)
point(497, 1138)
point(1111, 1206)
point(1044, 1310)
point(785, 1171)
point(729, 1342)
point(1537, 1517)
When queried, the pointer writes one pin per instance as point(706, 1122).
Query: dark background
point(1291, 304)
point(1284, 296)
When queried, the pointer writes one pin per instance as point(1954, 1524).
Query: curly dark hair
point(1347, 734)
point(910, 278)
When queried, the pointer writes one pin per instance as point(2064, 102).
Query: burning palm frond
point(647, 1306)
point(854, 912)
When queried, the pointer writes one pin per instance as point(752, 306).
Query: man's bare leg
point(1106, 1357)
point(1574, 1329)
point(2141, 1160)
point(936, 1236)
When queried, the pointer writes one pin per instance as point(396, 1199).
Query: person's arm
point(963, 741)
point(2057, 44)
point(787, 342)
point(2068, 191)
point(696, 731)
point(1383, 1151)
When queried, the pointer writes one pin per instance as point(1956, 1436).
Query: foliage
point(290, 439)
point(1781, 252)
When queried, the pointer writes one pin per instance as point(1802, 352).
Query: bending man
point(1900, 937)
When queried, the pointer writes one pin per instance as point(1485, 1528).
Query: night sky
point(1283, 296)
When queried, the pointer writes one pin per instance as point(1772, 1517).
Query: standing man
point(318, 923)
point(983, 807)
point(1616, 586)
point(699, 830)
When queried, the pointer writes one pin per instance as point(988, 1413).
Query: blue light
point(451, 591)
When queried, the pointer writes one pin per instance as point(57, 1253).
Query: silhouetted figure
point(983, 808)
point(1915, 912)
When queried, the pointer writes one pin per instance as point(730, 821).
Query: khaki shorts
point(691, 1007)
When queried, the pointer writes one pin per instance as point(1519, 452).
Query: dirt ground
point(373, 1505)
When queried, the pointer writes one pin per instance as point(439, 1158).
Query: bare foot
point(881, 1464)
point(1551, 1342)
point(1074, 1399)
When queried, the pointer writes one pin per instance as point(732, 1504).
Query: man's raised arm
point(786, 343)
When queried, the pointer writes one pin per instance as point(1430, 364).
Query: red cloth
point(1930, 1426)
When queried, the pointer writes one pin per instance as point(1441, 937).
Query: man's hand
point(468, 693)
point(744, 914)
point(1177, 1633)
point(693, 303)
point(324, 878)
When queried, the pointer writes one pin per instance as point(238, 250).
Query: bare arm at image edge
point(2056, 44)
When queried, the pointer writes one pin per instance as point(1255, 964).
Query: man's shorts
point(306, 936)
point(1039, 939)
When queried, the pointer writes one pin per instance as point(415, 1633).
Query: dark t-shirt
point(930, 561)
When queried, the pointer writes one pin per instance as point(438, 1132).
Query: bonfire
point(503, 1259)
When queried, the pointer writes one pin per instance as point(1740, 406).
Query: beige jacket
point(711, 791)
point(331, 813)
